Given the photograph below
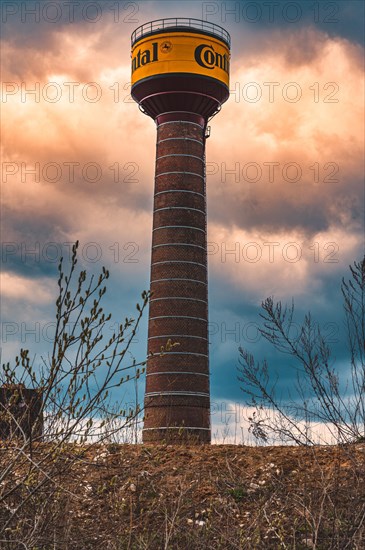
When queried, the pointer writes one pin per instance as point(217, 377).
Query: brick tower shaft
point(177, 388)
point(180, 78)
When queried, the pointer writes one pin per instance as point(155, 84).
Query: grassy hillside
point(173, 497)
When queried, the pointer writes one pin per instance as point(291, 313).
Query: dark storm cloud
point(234, 322)
point(35, 48)
point(33, 24)
point(31, 244)
point(342, 18)
point(290, 206)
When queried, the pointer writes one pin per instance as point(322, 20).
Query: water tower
point(180, 78)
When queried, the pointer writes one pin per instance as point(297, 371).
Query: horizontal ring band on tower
point(179, 121)
point(181, 172)
point(178, 262)
point(184, 353)
point(178, 317)
point(179, 244)
point(179, 191)
point(179, 208)
point(175, 428)
point(177, 336)
point(177, 372)
point(180, 155)
point(181, 138)
point(178, 227)
point(179, 279)
point(178, 298)
point(189, 393)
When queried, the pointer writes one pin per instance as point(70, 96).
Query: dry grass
point(173, 497)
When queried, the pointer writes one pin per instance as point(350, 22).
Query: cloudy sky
point(284, 163)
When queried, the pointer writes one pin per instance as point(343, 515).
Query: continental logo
point(204, 55)
point(207, 57)
point(144, 57)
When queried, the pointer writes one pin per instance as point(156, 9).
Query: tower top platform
point(177, 24)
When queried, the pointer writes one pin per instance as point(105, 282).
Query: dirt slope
point(218, 497)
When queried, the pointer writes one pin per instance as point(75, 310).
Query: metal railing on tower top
point(178, 23)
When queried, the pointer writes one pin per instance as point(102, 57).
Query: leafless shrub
point(320, 396)
point(76, 382)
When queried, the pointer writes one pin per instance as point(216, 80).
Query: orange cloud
point(267, 144)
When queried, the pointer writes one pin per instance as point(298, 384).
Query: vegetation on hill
point(119, 497)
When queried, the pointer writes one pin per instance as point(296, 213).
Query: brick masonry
point(177, 403)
